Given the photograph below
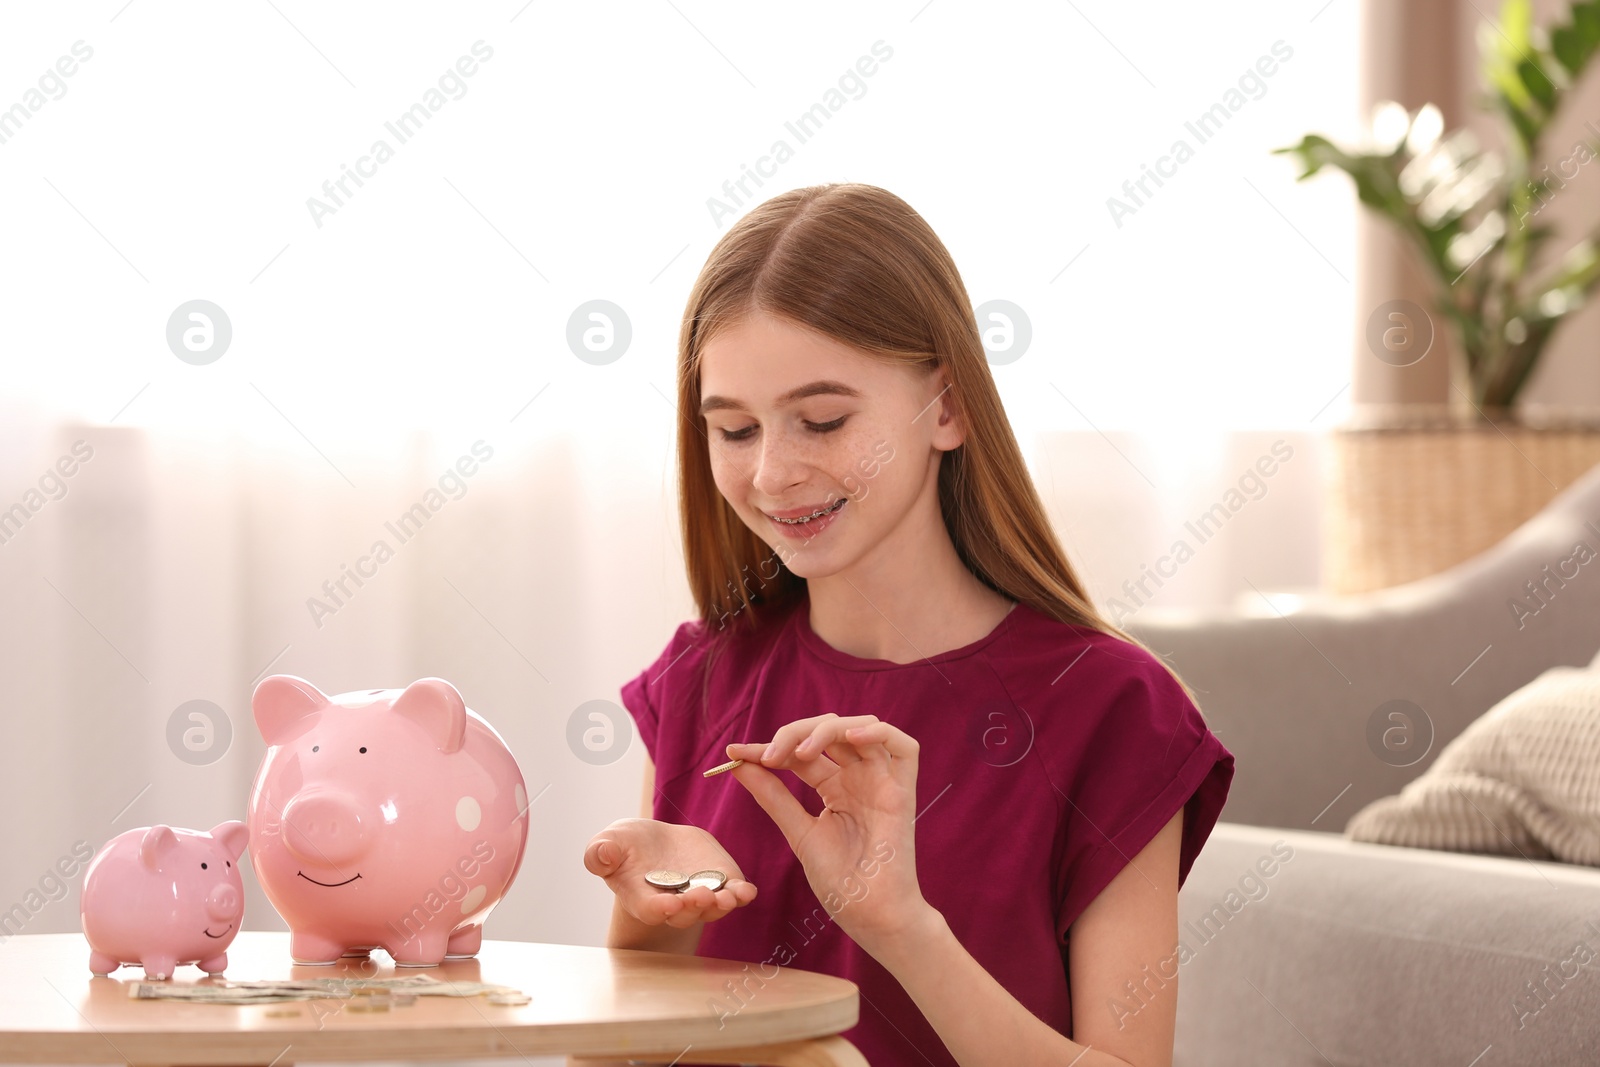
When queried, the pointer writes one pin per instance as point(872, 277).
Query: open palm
point(624, 852)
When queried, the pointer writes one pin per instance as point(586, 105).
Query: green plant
point(1468, 212)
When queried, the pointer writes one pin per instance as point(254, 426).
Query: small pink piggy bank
point(383, 819)
point(160, 897)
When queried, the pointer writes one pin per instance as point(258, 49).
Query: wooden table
point(590, 1003)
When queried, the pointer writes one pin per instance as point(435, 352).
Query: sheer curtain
point(170, 570)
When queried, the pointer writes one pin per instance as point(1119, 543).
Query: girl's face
point(799, 423)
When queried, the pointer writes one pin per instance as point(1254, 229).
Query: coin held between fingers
point(730, 765)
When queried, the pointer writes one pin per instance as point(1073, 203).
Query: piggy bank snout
point(324, 828)
point(223, 904)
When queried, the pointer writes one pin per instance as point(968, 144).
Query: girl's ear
point(949, 429)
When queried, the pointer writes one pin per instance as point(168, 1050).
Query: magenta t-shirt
point(1049, 755)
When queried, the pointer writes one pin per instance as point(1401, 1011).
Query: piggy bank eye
point(315, 747)
point(363, 748)
point(228, 862)
point(202, 866)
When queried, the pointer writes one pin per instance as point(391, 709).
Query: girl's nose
point(777, 466)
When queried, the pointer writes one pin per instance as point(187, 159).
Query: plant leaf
point(1539, 87)
point(1505, 49)
point(1586, 22)
point(1567, 44)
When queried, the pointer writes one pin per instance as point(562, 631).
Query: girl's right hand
point(624, 852)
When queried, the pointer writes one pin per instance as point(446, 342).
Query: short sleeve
point(644, 695)
point(1151, 755)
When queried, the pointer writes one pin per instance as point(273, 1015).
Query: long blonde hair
point(857, 263)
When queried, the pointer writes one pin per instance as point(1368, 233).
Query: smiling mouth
point(801, 520)
point(330, 885)
point(224, 933)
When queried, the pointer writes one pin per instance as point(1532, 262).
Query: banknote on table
point(224, 991)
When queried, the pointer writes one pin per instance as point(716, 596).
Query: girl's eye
point(814, 427)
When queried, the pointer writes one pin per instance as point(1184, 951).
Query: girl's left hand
point(859, 854)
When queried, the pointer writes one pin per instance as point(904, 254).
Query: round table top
point(590, 1001)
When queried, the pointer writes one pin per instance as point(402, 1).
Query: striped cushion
point(1523, 779)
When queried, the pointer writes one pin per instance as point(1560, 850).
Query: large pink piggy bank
point(383, 819)
point(160, 897)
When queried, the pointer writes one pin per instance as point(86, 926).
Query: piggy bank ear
point(233, 835)
point(158, 840)
point(282, 700)
point(434, 704)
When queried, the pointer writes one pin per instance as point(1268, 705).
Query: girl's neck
point(907, 621)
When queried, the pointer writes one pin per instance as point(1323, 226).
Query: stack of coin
point(677, 881)
point(369, 998)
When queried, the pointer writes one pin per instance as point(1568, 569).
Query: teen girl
point(964, 789)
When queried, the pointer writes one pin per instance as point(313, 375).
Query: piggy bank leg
point(464, 943)
point(216, 964)
point(101, 964)
point(159, 967)
point(425, 950)
point(311, 949)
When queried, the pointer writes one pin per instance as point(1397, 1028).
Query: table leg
point(832, 1051)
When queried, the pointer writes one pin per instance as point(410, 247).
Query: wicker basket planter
point(1414, 491)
